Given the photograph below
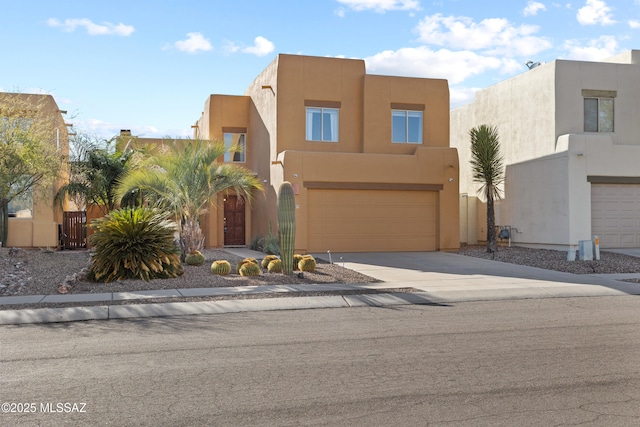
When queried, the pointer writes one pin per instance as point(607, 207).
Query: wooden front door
point(233, 221)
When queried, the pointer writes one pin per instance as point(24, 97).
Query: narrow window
point(598, 115)
point(322, 124)
point(406, 126)
point(236, 146)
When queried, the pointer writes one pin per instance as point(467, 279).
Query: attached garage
point(347, 220)
point(615, 214)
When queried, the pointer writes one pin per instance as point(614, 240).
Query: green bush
point(134, 243)
point(275, 266)
point(307, 263)
point(221, 267)
point(194, 258)
point(266, 260)
point(249, 269)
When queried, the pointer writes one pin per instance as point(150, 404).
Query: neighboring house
point(368, 157)
point(34, 222)
point(570, 136)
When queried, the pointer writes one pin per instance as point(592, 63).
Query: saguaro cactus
point(286, 225)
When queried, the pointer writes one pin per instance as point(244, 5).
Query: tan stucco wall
point(277, 148)
point(382, 91)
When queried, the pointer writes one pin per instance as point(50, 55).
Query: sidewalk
point(440, 278)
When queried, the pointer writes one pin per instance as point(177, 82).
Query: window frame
point(407, 125)
point(238, 156)
point(323, 110)
point(600, 113)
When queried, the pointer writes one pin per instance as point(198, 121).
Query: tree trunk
point(191, 237)
point(492, 244)
point(4, 223)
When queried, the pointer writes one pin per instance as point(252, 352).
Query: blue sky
point(149, 66)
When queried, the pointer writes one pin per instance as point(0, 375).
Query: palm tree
point(488, 170)
point(95, 171)
point(183, 176)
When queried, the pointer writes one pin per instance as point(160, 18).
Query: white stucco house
point(570, 136)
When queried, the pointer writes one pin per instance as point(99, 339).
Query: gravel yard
point(609, 262)
point(37, 272)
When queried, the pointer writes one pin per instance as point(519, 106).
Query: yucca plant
point(134, 243)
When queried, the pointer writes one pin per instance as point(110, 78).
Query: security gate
point(73, 233)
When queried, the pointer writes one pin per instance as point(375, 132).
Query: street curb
point(53, 315)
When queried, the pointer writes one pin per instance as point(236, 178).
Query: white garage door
point(615, 214)
point(371, 220)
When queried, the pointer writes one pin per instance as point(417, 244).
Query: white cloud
point(533, 7)
point(595, 50)
point(634, 23)
point(459, 96)
point(93, 29)
point(381, 6)
point(496, 36)
point(107, 130)
point(194, 43)
point(595, 12)
point(445, 64)
point(261, 47)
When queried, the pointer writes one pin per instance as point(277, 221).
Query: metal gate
point(73, 233)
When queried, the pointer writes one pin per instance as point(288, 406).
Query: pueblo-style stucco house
point(368, 157)
point(33, 222)
point(570, 136)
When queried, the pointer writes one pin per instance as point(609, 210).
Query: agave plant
point(134, 243)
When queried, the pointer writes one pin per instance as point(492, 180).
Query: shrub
point(249, 269)
point(194, 258)
point(307, 263)
point(275, 266)
point(266, 260)
point(221, 267)
point(134, 243)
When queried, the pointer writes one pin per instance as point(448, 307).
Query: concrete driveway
point(449, 276)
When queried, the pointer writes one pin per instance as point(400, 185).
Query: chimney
point(125, 132)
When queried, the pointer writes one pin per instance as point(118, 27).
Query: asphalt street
point(560, 361)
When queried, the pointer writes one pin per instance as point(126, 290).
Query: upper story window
point(406, 123)
point(406, 126)
point(598, 110)
point(236, 145)
point(322, 121)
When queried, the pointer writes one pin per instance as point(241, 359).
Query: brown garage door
point(615, 214)
point(372, 220)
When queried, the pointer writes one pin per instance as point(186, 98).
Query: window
point(322, 124)
point(406, 126)
point(236, 146)
point(21, 207)
point(598, 110)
